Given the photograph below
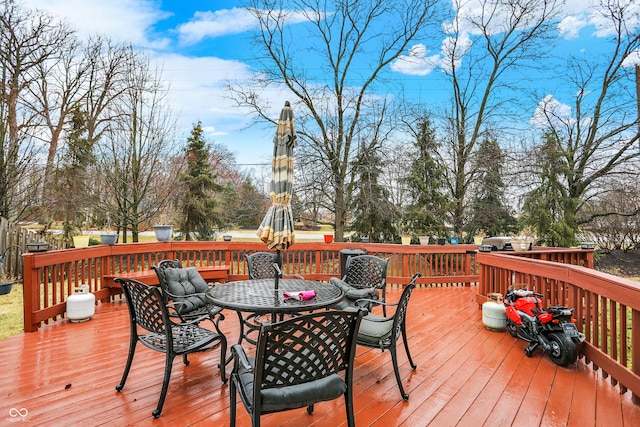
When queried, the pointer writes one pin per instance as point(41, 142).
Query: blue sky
point(203, 43)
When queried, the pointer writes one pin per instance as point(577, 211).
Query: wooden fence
point(13, 243)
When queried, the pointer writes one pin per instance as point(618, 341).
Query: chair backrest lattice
point(305, 348)
point(403, 303)
point(148, 308)
point(366, 271)
point(260, 265)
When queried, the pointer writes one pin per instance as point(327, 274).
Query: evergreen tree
point(426, 212)
point(199, 205)
point(374, 213)
point(71, 176)
point(548, 208)
point(489, 212)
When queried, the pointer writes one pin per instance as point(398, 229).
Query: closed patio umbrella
point(276, 229)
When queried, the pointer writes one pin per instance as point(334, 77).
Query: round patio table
point(260, 297)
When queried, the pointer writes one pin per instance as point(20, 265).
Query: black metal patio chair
point(364, 279)
point(298, 362)
point(186, 290)
point(260, 265)
point(383, 332)
point(147, 311)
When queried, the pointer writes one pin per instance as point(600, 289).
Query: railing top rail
point(607, 285)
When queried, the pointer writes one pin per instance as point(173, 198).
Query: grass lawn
point(11, 312)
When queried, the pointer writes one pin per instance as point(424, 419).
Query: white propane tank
point(494, 315)
point(81, 305)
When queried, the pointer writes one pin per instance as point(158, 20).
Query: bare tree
point(136, 168)
point(620, 228)
point(28, 39)
point(598, 141)
point(334, 107)
point(483, 47)
point(55, 95)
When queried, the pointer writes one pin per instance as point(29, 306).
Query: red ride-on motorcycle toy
point(552, 329)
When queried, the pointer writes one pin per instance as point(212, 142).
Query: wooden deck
point(65, 374)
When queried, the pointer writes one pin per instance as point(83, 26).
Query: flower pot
point(5, 288)
point(163, 232)
point(328, 238)
point(109, 239)
point(406, 240)
point(424, 240)
point(442, 240)
point(454, 240)
point(80, 241)
point(226, 238)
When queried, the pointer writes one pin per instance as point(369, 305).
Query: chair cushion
point(294, 396)
point(183, 283)
point(375, 331)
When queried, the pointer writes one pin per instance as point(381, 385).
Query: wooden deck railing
point(49, 277)
point(607, 307)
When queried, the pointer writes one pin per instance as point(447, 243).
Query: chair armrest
point(351, 291)
point(240, 356)
point(174, 311)
point(377, 302)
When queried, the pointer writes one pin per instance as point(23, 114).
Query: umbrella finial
point(287, 104)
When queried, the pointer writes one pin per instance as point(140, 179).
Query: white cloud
point(550, 111)
point(632, 60)
point(121, 20)
point(215, 24)
point(417, 62)
point(588, 13)
point(453, 50)
point(198, 89)
point(569, 27)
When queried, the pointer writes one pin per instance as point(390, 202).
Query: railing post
point(635, 349)
point(30, 292)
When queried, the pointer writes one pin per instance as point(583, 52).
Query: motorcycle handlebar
point(526, 293)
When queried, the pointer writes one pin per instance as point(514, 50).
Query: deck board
point(65, 374)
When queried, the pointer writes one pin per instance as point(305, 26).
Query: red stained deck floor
point(65, 374)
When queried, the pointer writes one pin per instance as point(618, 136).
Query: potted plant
point(6, 280)
point(6, 283)
point(163, 232)
point(108, 237)
point(80, 241)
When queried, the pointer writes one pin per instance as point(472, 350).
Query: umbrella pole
point(276, 267)
point(278, 273)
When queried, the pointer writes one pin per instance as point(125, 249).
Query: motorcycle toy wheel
point(563, 350)
point(512, 328)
